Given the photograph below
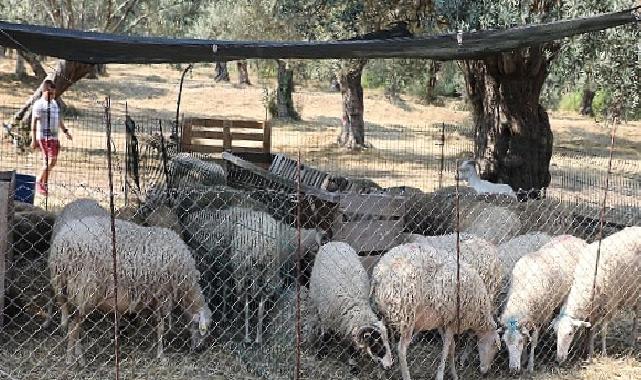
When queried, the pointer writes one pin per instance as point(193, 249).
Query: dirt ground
point(403, 154)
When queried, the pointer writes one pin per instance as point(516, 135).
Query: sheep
point(261, 249)
point(154, 266)
point(77, 209)
point(339, 291)
point(512, 250)
point(467, 172)
point(480, 254)
point(415, 288)
point(540, 281)
point(617, 287)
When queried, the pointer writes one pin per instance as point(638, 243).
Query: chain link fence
point(280, 266)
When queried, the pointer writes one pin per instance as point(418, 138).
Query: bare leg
point(447, 338)
point(403, 343)
point(453, 361)
point(261, 315)
point(247, 339)
point(533, 342)
point(161, 331)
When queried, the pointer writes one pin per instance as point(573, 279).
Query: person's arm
point(64, 129)
point(34, 118)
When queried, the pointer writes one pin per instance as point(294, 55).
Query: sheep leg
point(160, 331)
point(534, 340)
point(74, 348)
point(447, 338)
point(403, 344)
point(247, 339)
point(453, 360)
point(604, 333)
point(261, 315)
point(64, 313)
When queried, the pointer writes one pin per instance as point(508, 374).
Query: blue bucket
point(25, 188)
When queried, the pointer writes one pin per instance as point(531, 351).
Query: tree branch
point(135, 23)
point(125, 8)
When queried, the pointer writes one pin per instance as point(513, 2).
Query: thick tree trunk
point(35, 64)
point(284, 101)
point(243, 74)
point(352, 93)
point(20, 71)
point(513, 136)
point(586, 102)
point(433, 67)
point(64, 76)
point(98, 70)
point(220, 72)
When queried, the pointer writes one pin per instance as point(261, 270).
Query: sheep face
point(199, 327)
point(466, 170)
point(489, 344)
point(374, 340)
point(565, 328)
point(515, 339)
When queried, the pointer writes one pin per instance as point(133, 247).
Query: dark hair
point(49, 83)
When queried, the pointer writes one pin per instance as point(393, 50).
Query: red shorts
point(49, 148)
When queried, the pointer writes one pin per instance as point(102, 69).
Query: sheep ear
point(359, 335)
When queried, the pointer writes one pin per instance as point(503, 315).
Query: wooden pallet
point(219, 135)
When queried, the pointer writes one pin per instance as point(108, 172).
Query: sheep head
point(374, 340)
point(199, 327)
point(489, 343)
point(516, 336)
point(565, 328)
point(467, 170)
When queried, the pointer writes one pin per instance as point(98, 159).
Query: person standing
point(46, 120)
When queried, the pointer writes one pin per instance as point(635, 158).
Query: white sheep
point(480, 254)
point(415, 288)
point(339, 292)
point(467, 172)
point(262, 249)
point(512, 250)
point(539, 283)
point(72, 211)
point(155, 270)
point(617, 287)
point(77, 209)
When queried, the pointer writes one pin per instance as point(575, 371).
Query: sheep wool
point(539, 283)
point(512, 250)
point(339, 289)
point(415, 287)
point(617, 286)
point(77, 209)
point(262, 249)
point(154, 266)
point(480, 254)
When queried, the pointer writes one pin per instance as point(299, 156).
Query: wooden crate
point(369, 222)
point(219, 135)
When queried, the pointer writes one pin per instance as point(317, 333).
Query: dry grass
point(404, 154)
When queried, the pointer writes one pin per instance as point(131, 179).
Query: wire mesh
point(219, 265)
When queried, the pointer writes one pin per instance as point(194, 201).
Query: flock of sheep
point(505, 292)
